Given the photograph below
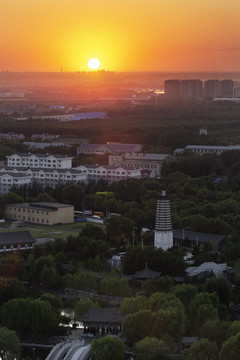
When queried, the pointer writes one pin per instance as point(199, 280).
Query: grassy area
point(38, 231)
point(42, 231)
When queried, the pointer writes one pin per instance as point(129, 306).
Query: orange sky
point(125, 35)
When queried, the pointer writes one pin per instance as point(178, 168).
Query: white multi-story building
point(109, 173)
point(39, 161)
point(100, 149)
point(8, 179)
point(51, 170)
point(152, 162)
point(45, 177)
point(210, 149)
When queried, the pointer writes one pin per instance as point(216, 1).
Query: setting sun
point(93, 64)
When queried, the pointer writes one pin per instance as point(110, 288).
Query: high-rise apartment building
point(172, 88)
point(212, 89)
point(227, 88)
point(191, 89)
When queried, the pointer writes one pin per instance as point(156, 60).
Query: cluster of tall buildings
point(197, 89)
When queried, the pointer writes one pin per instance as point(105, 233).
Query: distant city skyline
point(136, 35)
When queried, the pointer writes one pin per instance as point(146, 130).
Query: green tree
point(38, 266)
point(81, 306)
point(118, 229)
point(221, 286)
point(55, 301)
point(202, 308)
point(13, 289)
point(12, 198)
point(107, 348)
point(28, 316)
point(10, 348)
point(170, 315)
point(93, 231)
point(201, 350)
point(138, 326)
point(185, 293)
point(163, 284)
point(115, 287)
point(50, 278)
point(44, 197)
point(215, 331)
point(80, 280)
point(73, 194)
point(231, 348)
point(152, 348)
point(234, 328)
point(134, 304)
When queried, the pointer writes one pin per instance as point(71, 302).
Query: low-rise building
point(39, 161)
point(109, 173)
point(191, 239)
point(207, 267)
point(46, 213)
point(210, 149)
point(16, 241)
point(100, 149)
point(69, 141)
point(8, 179)
point(152, 162)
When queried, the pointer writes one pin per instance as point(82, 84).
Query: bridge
point(70, 350)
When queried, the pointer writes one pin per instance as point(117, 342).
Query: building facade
point(163, 234)
point(210, 149)
point(108, 173)
point(152, 162)
point(40, 213)
point(212, 89)
point(100, 149)
point(16, 241)
point(39, 161)
point(18, 177)
point(172, 88)
point(10, 179)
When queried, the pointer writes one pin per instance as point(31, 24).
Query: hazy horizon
point(139, 36)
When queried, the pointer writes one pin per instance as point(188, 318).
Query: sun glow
point(93, 64)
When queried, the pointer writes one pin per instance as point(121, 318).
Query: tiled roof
point(146, 273)
point(16, 237)
point(105, 315)
point(111, 147)
point(217, 269)
point(41, 205)
point(10, 170)
point(42, 155)
point(197, 236)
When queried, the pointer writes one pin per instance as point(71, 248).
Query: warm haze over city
point(135, 35)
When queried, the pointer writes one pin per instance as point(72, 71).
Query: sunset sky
point(125, 35)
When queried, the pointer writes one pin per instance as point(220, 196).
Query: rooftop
point(217, 269)
point(41, 155)
point(15, 237)
point(104, 315)
point(41, 205)
point(115, 147)
point(197, 236)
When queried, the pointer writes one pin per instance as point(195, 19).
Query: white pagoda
point(163, 236)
